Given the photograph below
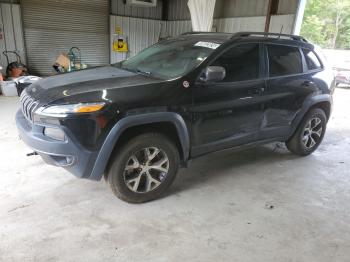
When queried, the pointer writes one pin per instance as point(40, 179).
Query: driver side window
point(240, 62)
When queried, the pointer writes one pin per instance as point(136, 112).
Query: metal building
point(41, 30)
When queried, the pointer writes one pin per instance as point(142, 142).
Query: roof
point(249, 36)
point(209, 36)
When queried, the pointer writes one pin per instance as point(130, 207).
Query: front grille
point(28, 105)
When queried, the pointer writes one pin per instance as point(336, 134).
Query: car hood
point(61, 87)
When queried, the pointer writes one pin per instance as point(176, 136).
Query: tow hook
point(32, 154)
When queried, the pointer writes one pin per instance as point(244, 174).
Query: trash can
point(8, 88)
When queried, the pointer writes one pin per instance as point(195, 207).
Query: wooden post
point(268, 17)
point(272, 9)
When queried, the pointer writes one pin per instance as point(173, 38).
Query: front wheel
point(309, 134)
point(143, 168)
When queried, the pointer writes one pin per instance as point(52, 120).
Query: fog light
point(54, 133)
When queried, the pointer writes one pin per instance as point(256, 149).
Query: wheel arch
point(149, 120)
point(323, 102)
point(325, 106)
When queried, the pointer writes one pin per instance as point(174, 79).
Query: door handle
point(257, 91)
point(308, 83)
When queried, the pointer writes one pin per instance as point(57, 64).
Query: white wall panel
point(178, 10)
point(287, 21)
point(241, 8)
point(10, 1)
point(175, 28)
point(287, 7)
point(11, 24)
point(237, 24)
point(233, 25)
point(140, 34)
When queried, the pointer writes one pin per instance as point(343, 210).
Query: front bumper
point(68, 154)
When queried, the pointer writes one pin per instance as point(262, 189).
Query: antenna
point(281, 31)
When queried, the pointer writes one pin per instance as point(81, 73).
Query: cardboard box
point(63, 60)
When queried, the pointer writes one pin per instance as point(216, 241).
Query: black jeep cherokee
point(137, 121)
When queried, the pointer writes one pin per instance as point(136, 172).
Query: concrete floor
point(262, 204)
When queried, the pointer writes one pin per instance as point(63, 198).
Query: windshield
point(170, 59)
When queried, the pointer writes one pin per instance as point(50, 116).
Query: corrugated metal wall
point(118, 8)
point(52, 27)
point(241, 8)
point(140, 33)
point(286, 7)
point(237, 24)
point(11, 25)
point(233, 25)
point(10, 1)
point(282, 24)
point(178, 10)
point(279, 24)
point(175, 28)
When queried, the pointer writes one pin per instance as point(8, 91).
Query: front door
point(229, 113)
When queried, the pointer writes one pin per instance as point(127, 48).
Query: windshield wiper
point(143, 72)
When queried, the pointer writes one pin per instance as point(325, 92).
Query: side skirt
point(242, 147)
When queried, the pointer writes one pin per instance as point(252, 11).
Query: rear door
point(288, 85)
point(229, 113)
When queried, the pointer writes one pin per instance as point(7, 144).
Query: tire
point(308, 135)
point(138, 173)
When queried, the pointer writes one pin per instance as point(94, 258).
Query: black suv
point(137, 121)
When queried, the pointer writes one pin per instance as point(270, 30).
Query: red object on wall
point(1, 34)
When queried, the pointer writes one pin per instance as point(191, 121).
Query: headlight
point(63, 110)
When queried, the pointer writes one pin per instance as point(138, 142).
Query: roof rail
point(293, 37)
point(198, 32)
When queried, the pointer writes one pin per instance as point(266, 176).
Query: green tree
point(327, 23)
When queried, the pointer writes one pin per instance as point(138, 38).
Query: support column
point(299, 16)
point(272, 9)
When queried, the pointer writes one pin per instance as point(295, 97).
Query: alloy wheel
point(146, 170)
point(312, 133)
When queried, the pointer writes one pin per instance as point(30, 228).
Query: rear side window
point(284, 60)
point(240, 62)
point(312, 61)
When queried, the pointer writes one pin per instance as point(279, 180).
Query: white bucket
point(8, 88)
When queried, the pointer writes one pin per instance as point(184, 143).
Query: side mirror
point(213, 74)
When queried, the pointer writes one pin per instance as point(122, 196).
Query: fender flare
point(309, 103)
point(135, 120)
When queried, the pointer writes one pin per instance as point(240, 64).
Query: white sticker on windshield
point(207, 45)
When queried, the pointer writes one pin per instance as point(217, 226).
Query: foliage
point(327, 23)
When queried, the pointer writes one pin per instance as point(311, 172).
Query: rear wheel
point(144, 168)
point(309, 134)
